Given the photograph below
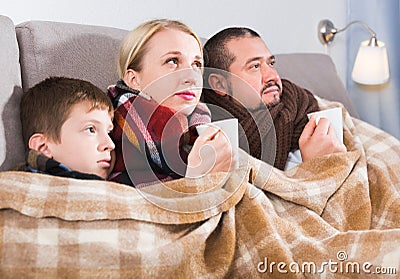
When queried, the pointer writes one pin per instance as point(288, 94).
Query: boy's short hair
point(46, 106)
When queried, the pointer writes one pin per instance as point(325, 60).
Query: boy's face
point(85, 144)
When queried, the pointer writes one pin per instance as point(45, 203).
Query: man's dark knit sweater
point(258, 137)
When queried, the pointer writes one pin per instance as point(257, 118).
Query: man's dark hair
point(215, 53)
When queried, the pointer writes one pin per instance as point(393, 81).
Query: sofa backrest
point(11, 146)
point(317, 73)
point(68, 49)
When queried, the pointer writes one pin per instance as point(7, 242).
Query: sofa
point(256, 221)
point(34, 50)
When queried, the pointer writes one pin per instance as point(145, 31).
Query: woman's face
point(171, 70)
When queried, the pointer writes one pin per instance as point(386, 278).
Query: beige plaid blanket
point(332, 217)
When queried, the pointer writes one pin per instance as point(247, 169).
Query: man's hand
point(318, 140)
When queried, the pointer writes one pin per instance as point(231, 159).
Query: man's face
point(253, 73)
point(85, 144)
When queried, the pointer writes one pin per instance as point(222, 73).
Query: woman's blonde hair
point(133, 47)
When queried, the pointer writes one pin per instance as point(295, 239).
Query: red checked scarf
point(289, 117)
point(152, 141)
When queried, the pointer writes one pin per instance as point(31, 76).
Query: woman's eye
point(172, 61)
point(198, 64)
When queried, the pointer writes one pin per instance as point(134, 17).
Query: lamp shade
point(371, 66)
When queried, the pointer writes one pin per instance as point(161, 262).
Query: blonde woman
point(157, 108)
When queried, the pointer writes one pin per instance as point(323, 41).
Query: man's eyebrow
point(257, 58)
point(253, 59)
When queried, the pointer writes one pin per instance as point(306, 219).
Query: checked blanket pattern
point(254, 222)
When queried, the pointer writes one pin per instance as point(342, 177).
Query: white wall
point(285, 25)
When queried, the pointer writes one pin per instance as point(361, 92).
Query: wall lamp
point(371, 66)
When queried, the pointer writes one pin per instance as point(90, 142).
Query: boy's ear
point(218, 83)
point(39, 142)
point(131, 79)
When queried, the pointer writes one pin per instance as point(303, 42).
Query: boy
point(65, 125)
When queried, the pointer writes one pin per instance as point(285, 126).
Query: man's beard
point(277, 98)
point(274, 102)
point(260, 104)
point(256, 104)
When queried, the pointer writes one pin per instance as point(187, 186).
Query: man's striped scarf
point(156, 138)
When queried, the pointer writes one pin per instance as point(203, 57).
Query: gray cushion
point(317, 73)
point(68, 49)
point(11, 146)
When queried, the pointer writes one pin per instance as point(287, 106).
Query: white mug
point(335, 117)
point(230, 127)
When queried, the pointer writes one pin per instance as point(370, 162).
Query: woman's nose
point(192, 76)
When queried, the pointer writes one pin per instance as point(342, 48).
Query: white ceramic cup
point(335, 117)
point(230, 128)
